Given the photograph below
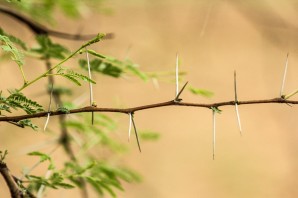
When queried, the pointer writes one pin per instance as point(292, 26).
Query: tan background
point(213, 39)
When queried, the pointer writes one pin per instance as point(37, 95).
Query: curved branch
point(38, 29)
point(140, 108)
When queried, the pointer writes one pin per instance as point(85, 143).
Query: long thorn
point(136, 133)
point(177, 75)
point(213, 141)
point(235, 86)
point(129, 128)
point(284, 77)
point(236, 104)
point(180, 92)
point(291, 94)
point(47, 121)
point(90, 85)
point(238, 118)
point(49, 108)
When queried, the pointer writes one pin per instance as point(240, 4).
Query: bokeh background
point(213, 38)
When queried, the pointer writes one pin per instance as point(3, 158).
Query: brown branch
point(15, 191)
point(39, 29)
point(140, 108)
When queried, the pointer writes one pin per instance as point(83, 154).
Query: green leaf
point(149, 135)
point(100, 66)
point(65, 185)
point(48, 49)
point(8, 46)
point(5, 108)
point(70, 8)
point(14, 39)
point(63, 110)
point(216, 110)
point(73, 76)
point(28, 123)
point(133, 68)
point(126, 65)
point(43, 156)
point(18, 100)
point(201, 92)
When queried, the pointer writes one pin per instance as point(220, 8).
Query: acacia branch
point(15, 191)
point(39, 29)
point(144, 107)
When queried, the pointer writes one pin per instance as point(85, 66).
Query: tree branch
point(140, 108)
point(40, 29)
point(15, 192)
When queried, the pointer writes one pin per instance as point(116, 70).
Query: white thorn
point(89, 74)
point(42, 187)
point(213, 141)
point(284, 77)
point(47, 121)
point(238, 118)
point(177, 75)
point(129, 128)
point(155, 83)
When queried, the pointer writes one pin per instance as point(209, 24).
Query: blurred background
point(213, 38)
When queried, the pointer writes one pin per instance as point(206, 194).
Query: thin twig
point(284, 77)
point(136, 133)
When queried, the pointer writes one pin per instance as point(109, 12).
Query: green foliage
point(14, 39)
point(73, 76)
point(43, 10)
point(8, 46)
point(28, 123)
point(124, 66)
point(100, 66)
point(102, 177)
point(216, 110)
point(97, 135)
point(63, 110)
point(55, 181)
point(106, 178)
point(17, 100)
point(48, 49)
point(43, 157)
point(201, 92)
point(149, 135)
